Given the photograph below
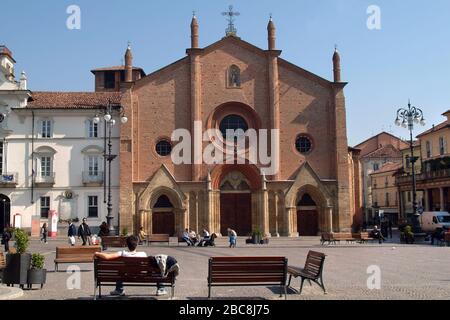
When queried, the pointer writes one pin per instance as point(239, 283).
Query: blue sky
point(408, 58)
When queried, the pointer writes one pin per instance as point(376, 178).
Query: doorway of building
point(236, 213)
point(163, 217)
point(5, 211)
point(307, 216)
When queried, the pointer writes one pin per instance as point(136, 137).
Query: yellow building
point(434, 178)
point(384, 190)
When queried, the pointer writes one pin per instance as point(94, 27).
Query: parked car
point(430, 221)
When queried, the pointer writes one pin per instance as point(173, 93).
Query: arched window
point(234, 76)
point(163, 202)
point(232, 122)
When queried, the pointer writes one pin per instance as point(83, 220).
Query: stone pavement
point(407, 271)
point(10, 293)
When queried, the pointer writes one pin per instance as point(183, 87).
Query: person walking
point(232, 236)
point(6, 236)
point(71, 232)
point(44, 233)
point(84, 232)
point(103, 232)
point(390, 228)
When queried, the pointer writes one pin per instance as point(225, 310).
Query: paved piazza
point(407, 272)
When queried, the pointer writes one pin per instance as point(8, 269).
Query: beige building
point(403, 180)
point(434, 179)
point(384, 191)
point(375, 152)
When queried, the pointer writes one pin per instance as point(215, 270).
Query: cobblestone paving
point(407, 272)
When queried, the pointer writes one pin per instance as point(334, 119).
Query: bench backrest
point(314, 263)
point(114, 241)
point(158, 238)
point(247, 270)
point(2, 261)
point(342, 235)
point(130, 269)
point(84, 252)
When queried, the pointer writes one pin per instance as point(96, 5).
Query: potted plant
point(257, 236)
point(37, 274)
point(18, 264)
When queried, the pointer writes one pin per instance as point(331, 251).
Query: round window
point(233, 122)
point(303, 144)
point(163, 148)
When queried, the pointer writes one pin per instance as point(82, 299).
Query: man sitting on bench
point(132, 242)
point(376, 234)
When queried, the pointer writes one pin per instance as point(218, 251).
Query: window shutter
point(39, 130)
point(86, 128)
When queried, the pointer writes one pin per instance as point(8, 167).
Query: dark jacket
point(72, 231)
point(83, 230)
point(104, 231)
point(6, 235)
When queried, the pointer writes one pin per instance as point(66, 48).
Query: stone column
point(329, 217)
point(291, 221)
point(264, 212)
point(441, 198)
point(426, 198)
point(276, 214)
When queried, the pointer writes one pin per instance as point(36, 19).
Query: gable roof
point(248, 46)
point(376, 136)
point(389, 166)
point(440, 126)
point(73, 100)
point(388, 151)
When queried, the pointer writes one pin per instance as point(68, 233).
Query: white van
point(430, 221)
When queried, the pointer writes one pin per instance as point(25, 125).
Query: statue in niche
point(234, 77)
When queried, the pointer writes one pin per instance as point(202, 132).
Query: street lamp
point(109, 123)
point(406, 118)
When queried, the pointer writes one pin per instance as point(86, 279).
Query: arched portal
point(310, 206)
point(307, 216)
point(163, 216)
point(5, 211)
point(235, 202)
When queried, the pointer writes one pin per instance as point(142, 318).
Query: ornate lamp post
point(109, 123)
point(406, 118)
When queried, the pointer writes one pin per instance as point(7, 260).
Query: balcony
point(45, 180)
point(8, 180)
point(430, 175)
point(90, 179)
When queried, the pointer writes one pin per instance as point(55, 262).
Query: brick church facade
point(233, 84)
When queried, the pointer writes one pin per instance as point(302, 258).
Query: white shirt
point(135, 254)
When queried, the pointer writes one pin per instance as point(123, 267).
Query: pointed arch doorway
point(163, 216)
point(307, 216)
point(235, 204)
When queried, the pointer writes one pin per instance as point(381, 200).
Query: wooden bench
point(114, 241)
point(158, 238)
point(247, 271)
point(335, 237)
point(312, 271)
point(83, 254)
point(363, 237)
point(131, 271)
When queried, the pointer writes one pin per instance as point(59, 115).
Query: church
point(232, 84)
